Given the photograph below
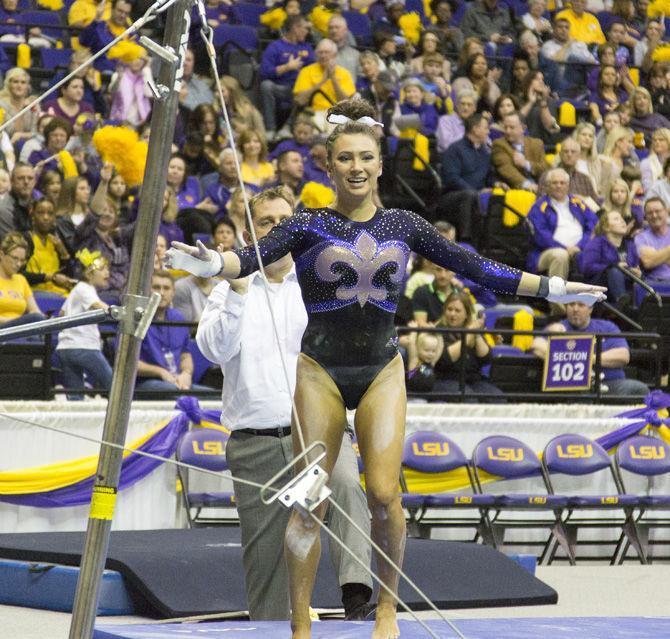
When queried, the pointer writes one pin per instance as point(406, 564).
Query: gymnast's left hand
point(563, 292)
point(198, 259)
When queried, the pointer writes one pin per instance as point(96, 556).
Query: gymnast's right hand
point(198, 259)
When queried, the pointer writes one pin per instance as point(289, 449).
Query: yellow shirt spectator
point(14, 295)
point(45, 260)
point(584, 26)
point(314, 74)
point(258, 176)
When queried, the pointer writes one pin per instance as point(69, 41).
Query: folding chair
point(360, 27)
point(432, 453)
point(649, 458)
point(53, 59)
point(48, 21)
point(205, 448)
point(510, 459)
point(575, 455)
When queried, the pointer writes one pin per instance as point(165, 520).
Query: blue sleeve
point(594, 260)
point(282, 239)
point(495, 276)
point(269, 62)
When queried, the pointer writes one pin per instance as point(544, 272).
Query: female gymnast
point(350, 260)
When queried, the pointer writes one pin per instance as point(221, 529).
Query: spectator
point(13, 33)
point(194, 89)
point(658, 87)
point(428, 300)
point(204, 119)
point(190, 295)
point(394, 58)
point(429, 44)
point(15, 206)
point(584, 26)
point(419, 104)
point(56, 136)
point(70, 103)
point(235, 210)
point(519, 161)
point(451, 128)
point(323, 83)
point(471, 46)
point(466, 170)
point(79, 350)
point(316, 167)
point(36, 141)
point(621, 199)
point(347, 53)
point(615, 353)
point(504, 105)
point(218, 193)
point(520, 70)
point(562, 226)
point(610, 120)
point(598, 168)
point(608, 96)
point(280, 63)
point(17, 304)
point(478, 78)
point(93, 90)
point(451, 37)
point(186, 187)
point(580, 183)
point(118, 192)
point(606, 252)
point(168, 226)
point(539, 109)
point(535, 20)
point(226, 235)
point(371, 66)
point(566, 51)
point(616, 36)
point(165, 363)
point(422, 272)
point(489, 22)
point(241, 111)
point(74, 204)
point(100, 231)
point(47, 255)
point(423, 351)
point(130, 92)
point(434, 81)
point(291, 172)
point(651, 168)
point(459, 312)
point(643, 119)
point(623, 13)
point(643, 49)
point(14, 97)
point(620, 151)
point(159, 253)
point(653, 243)
point(99, 33)
point(302, 137)
point(256, 170)
point(530, 45)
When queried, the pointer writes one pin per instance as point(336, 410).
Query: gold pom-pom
point(54, 5)
point(91, 260)
point(659, 8)
point(661, 53)
point(316, 196)
point(121, 146)
point(126, 51)
point(274, 18)
point(410, 25)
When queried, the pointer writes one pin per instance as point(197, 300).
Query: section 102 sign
point(568, 364)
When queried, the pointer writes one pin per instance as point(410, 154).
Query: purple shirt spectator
point(427, 113)
point(278, 53)
point(599, 254)
point(603, 326)
point(54, 108)
point(163, 345)
point(648, 238)
point(290, 145)
point(189, 194)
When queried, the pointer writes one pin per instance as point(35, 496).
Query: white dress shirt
point(235, 331)
point(569, 231)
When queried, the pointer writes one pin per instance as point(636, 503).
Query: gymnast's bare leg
point(380, 428)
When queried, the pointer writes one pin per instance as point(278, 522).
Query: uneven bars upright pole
point(125, 366)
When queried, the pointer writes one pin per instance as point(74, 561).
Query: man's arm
point(650, 258)
point(504, 166)
point(615, 357)
point(152, 370)
point(185, 376)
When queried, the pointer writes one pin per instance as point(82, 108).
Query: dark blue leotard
point(350, 276)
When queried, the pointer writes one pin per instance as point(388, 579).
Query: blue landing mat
point(546, 628)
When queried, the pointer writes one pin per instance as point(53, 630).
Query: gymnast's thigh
point(320, 409)
point(380, 428)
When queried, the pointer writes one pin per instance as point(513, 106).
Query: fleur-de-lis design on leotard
point(365, 258)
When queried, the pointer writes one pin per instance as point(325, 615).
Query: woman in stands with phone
point(350, 260)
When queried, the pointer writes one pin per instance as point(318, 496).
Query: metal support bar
point(56, 324)
point(125, 366)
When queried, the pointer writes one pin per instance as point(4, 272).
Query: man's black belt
point(282, 431)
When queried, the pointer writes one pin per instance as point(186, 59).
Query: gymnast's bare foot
point(386, 624)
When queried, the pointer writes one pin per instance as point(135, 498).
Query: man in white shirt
point(562, 224)
point(235, 331)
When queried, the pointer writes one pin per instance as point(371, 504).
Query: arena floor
point(584, 591)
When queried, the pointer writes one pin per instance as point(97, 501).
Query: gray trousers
point(258, 458)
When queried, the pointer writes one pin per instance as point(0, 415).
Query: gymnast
point(350, 260)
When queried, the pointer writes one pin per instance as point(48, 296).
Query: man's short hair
point(473, 121)
point(284, 154)
point(22, 165)
point(444, 227)
point(433, 57)
point(557, 20)
point(280, 192)
point(166, 275)
point(654, 198)
point(292, 21)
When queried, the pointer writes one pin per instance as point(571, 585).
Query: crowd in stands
point(560, 108)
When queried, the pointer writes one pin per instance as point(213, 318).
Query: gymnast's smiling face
point(355, 165)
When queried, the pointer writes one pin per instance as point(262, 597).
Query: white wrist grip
point(182, 261)
point(558, 294)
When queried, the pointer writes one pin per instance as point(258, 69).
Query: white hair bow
point(335, 118)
